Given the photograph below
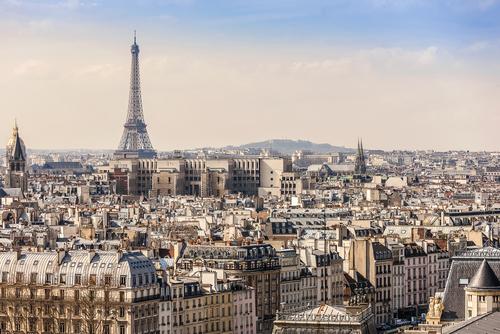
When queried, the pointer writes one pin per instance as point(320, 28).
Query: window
point(463, 281)
point(33, 277)
point(123, 280)
point(92, 279)
point(19, 277)
point(76, 327)
point(5, 277)
point(107, 280)
point(62, 278)
point(62, 327)
point(122, 329)
point(78, 279)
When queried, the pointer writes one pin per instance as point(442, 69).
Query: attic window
point(463, 281)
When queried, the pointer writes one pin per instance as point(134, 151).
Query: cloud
point(71, 4)
point(478, 46)
point(42, 24)
point(32, 68)
point(102, 71)
point(472, 4)
point(367, 60)
point(427, 56)
point(48, 4)
point(454, 4)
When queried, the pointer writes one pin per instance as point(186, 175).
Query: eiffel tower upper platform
point(135, 141)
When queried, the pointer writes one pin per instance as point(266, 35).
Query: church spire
point(16, 159)
point(15, 129)
point(360, 165)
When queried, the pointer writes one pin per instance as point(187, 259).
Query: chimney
point(119, 254)
point(91, 254)
point(61, 253)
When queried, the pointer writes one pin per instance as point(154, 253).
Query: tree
point(96, 312)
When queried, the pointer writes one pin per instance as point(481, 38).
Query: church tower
point(16, 176)
point(360, 165)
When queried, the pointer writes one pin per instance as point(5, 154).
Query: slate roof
point(483, 324)
point(485, 278)
point(381, 252)
point(62, 165)
point(462, 270)
point(11, 192)
point(18, 153)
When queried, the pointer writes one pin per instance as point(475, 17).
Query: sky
point(401, 74)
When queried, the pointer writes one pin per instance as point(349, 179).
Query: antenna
point(135, 37)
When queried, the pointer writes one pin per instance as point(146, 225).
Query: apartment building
point(290, 279)
point(78, 292)
point(258, 266)
point(374, 261)
point(398, 276)
point(327, 269)
point(416, 277)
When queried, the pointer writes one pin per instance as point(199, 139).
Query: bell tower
point(16, 157)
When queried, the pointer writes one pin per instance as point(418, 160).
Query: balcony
point(147, 298)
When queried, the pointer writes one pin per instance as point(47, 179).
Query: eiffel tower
point(135, 141)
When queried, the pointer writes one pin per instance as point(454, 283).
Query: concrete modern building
point(205, 177)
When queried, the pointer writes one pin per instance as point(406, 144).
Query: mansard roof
point(51, 267)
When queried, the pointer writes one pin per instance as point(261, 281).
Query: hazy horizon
point(407, 74)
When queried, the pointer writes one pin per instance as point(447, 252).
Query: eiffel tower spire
point(135, 141)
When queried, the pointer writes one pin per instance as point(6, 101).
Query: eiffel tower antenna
point(135, 141)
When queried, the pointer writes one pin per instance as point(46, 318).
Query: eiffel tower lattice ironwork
point(135, 141)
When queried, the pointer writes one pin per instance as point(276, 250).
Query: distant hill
point(288, 146)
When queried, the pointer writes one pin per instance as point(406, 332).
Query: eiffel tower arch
point(135, 142)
